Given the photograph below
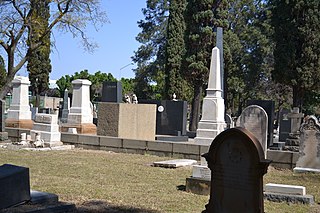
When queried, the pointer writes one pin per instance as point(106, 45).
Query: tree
point(297, 46)
point(150, 56)
point(2, 71)
point(175, 50)
point(199, 43)
point(66, 15)
point(39, 63)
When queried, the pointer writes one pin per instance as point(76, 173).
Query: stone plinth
point(212, 121)
point(132, 121)
point(19, 114)
point(81, 111)
point(47, 126)
point(14, 184)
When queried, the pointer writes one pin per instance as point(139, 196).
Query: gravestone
point(229, 121)
point(292, 142)
point(2, 110)
point(81, 111)
point(237, 165)
point(212, 121)
point(14, 184)
point(47, 126)
point(284, 125)
point(112, 92)
point(268, 106)
point(309, 149)
point(255, 119)
point(19, 114)
point(65, 107)
point(171, 117)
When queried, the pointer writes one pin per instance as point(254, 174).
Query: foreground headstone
point(81, 111)
point(255, 119)
point(19, 114)
point(309, 154)
point(237, 165)
point(14, 185)
point(212, 120)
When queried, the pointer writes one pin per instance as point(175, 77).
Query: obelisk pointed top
point(214, 84)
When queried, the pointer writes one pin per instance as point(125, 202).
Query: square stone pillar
point(19, 114)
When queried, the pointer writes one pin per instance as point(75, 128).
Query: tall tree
point(199, 38)
point(297, 46)
point(150, 56)
point(68, 15)
point(175, 50)
point(39, 63)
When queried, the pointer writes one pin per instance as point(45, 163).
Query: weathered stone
point(237, 163)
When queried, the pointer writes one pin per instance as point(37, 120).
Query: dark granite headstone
point(112, 92)
point(171, 117)
point(268, 106)
point(237, 165)
point(284, 125)
point(2, 110)
point(14, 185)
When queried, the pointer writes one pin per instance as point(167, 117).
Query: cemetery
point(238, 159)
point(96, 148)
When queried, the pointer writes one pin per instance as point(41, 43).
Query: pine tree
point(199, 38)
point(175, 50)
point(297, 46)
point(39, 63)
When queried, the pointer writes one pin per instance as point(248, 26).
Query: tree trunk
point(195, 110)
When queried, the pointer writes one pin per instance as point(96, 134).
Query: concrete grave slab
point(175, 163)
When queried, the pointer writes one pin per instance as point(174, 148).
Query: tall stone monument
point(81, 111)
point(19, 114)
point(65, 107)
point(212, 121)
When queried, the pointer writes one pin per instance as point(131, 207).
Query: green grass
point(113, 182)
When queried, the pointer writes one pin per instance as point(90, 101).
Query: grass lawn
point(100, 181)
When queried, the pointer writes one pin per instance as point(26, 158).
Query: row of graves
point(232, 170)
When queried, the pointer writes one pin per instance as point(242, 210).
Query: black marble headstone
point(2, 110)
point(268, 106)
point(284, 125)
point(112, 92)
point(14, 185)
point(171, 117)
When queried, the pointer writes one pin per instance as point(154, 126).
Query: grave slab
point(285, 189)
point(175, 163)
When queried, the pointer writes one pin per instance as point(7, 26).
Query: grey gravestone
point(14, 185)
point(2, 110)
point(309, 149)
point(268, 106)
point(255, 119)
point(171, 117)
point(65, 107)
point(112, 92)
point(237, 165)
point(229, 121)
point(284, 125)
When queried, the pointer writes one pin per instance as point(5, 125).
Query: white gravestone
point(255, 119)
point(47, 126)
point(212, 121)
point(81, 110)
point(309, 149)
point(19, 108)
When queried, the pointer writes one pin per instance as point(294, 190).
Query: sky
point(116, 42)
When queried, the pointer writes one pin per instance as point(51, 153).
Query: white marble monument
point(212, 121)
point(81, 111)
point(19, 113)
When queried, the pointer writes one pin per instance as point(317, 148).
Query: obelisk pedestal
point(19, 114)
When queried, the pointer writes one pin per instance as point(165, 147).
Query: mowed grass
point(101, 181)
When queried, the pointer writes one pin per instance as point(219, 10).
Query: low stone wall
point(280, 159)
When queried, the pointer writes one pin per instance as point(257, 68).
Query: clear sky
point(116, 42)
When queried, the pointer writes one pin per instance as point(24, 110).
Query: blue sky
point(116, 42)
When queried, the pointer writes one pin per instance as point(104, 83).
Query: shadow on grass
point(181, 188)
point(99, 206)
